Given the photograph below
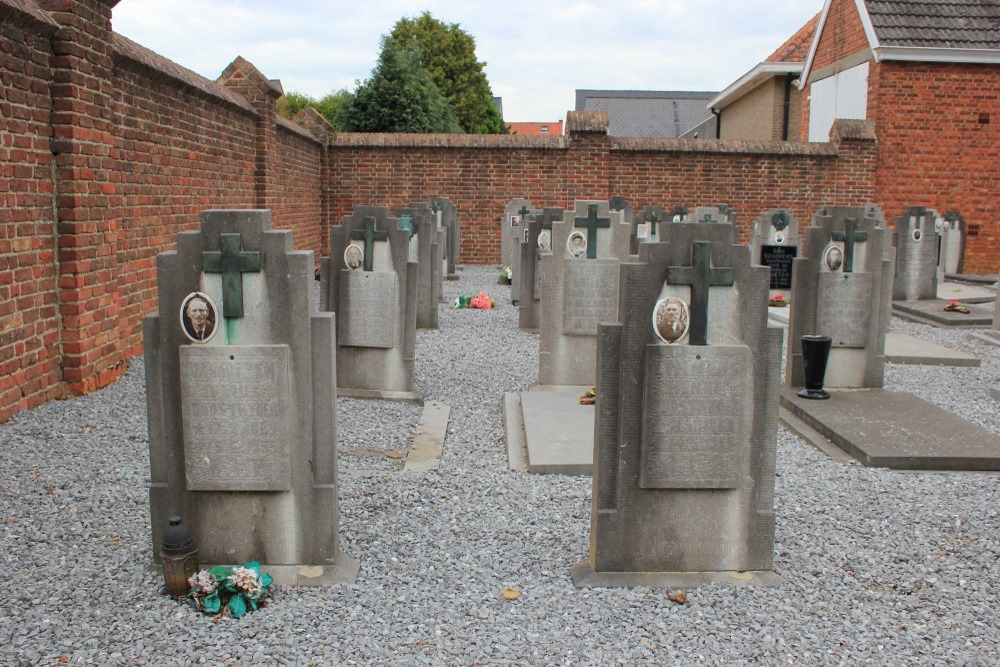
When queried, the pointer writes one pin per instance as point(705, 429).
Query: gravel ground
point(881, 567)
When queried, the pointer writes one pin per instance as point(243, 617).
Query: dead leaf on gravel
point(679, 598)
point(511, 593)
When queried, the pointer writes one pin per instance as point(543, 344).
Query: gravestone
point(242, 401)
point(647, 228)
point(375, 303)
point(774, 242)
point(686, 420)
point(579, 291)
point(680, 213)
point(447, 217)
point(841, 287)
point(951, 253)
point(538, 242)
point(510, 228)
point(717, 213)
point(518, 241)
point(618, 203)
point(916, 242)
point(426, 247)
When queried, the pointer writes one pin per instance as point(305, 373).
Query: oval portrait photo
point(354, 256)
point(544, 239)
point(576, 244)
point(670, 319)
point(199, 317)
point(833, 258)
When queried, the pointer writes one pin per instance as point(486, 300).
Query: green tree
point(449, 54)
point(293, 102)
point(400, 96)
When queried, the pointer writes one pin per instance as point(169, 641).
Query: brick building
point(927, 76)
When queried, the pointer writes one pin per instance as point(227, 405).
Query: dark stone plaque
point(779, 258)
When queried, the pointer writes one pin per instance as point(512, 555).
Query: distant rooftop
point(947, 24)
point(647, 113)
point(536, 129)
point(796, 48)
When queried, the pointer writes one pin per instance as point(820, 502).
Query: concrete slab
point(558, 432)
point(778, 316)
point(903, 349)
point(428, 438)
point(995, 392)
point(952, 291)
point(991, 336)
point(931, 311)
point(584, 576)
point(812, 436)
point(517, 457)
point(970, 278)
point(887, 429)
point(401, 396)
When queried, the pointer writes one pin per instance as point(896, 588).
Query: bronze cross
point(232, 263)
point(849, 236)
point(700, 275)
point(592, 222)
point(370, 235)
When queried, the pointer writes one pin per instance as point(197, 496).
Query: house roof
point(646, 113)
point(946, 24)
point(535, 129)
point(796, 48)
point(956, 31)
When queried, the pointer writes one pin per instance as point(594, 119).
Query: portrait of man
point(833, 258)
point(577, 244)
point(670, 319)
point(199, 317)
point(544, 240)
point(354, 256)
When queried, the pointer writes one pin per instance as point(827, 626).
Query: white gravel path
point(881, 567)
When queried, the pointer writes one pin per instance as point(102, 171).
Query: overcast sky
point(537, 52)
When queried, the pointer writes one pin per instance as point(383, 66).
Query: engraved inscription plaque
point(696, 416)
point(843, 308)
point(236, 417)
point(590, 295)
point(779, 258)
point(368, 304)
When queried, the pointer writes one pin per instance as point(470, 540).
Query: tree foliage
point(449, 54)
point(293, 102)
point(400, 96)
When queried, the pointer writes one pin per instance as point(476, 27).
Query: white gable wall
point(843, 95)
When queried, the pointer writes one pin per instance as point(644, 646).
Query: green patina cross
point(708, 217)
point(849, 236)
point(370, 235)
point(653, 218)
point(700, 275)
point(524, 212)
point(232, 263)
point(406, 222)
point(591, 222)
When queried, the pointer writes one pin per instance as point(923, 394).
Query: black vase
point(815, 354)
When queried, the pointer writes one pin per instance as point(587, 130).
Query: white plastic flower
point(246, 579)
point(203, 582)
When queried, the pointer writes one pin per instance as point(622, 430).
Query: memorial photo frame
point(833, 257)
point(671, 319)
point(354, 256)
point(199, 317)
point(576, 244)
point(544, 239)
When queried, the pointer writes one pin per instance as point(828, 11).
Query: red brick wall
point(29, 324)
point(843, 34)
point(180, 154)
point(935, 152)
point(296, 204)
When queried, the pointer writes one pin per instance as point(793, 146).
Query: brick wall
point(753, 115)
point(843, 35)
point(939, 146)
point(30, 370)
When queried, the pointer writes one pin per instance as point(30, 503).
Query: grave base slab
point(549, 432)
point(931, 311)
point(903, 349)
point(401, 396)
point(888, 429)
point(584, 576)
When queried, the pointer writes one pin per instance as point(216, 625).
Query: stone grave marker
point(510, 228)
point(518, 241)
point(447, 217)
point(648, 224)
point(717, 213)
point(375, 303)
point(537, 243)
point(915, 239)
point(579, 290)
point(774, 242)
point(619, 203)
point(241, 399)
point(426, 246)
point(951, 253)
point(841, 287)
point(686, 419)
point(680, 213)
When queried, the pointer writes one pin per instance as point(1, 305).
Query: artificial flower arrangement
point(468, 301)
point(957, 307)
point(777, 301)
point(505, 275)
point(233, 591)
point(589, 397)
